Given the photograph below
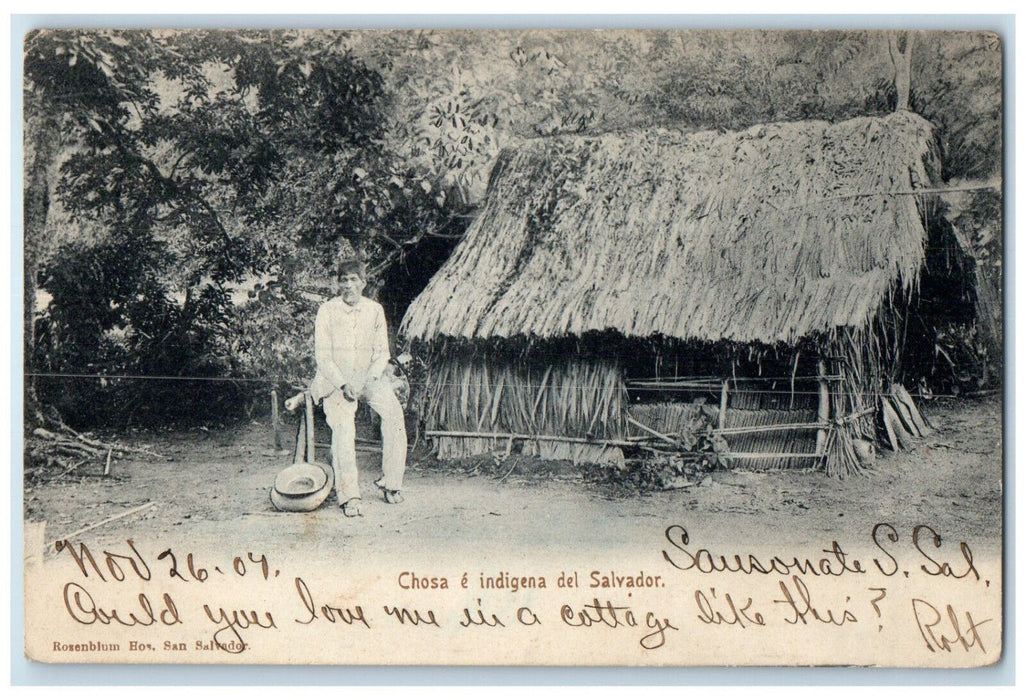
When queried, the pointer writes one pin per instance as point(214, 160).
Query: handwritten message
point(943, 628)
point(896, 589)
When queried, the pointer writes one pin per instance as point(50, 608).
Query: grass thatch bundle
point(570, 397)
point(497, 393)
point(769, 235)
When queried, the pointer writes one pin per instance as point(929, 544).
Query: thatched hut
point(627, 283)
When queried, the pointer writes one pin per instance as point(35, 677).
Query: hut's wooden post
point(275, 424)
point(824, 408)
point(311, 446)
point(722, 422)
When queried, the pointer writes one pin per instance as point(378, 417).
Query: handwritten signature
point(950, 630)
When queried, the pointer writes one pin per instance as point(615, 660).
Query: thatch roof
point(769, 234)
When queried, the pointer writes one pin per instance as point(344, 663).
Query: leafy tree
point(262, 154)
point(956, 84)
point(77, 84)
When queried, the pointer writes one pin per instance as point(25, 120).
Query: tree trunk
point(41, 146)
point(900, 46)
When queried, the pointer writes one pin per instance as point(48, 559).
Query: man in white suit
point(351, 350)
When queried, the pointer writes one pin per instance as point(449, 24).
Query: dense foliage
point(256, 164)
point(188, 194)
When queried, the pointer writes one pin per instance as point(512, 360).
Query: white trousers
point(341, 416)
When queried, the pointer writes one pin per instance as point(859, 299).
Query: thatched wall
point(761, 403)
point(525, 396)
point(783, 442)
point(750, 403)
point(767, 235)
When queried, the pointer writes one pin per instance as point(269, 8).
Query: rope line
point(74, 375)
point(780, 392)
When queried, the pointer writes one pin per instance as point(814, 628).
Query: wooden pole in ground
point(311, 446)
point(824, 407)
point(275, 426)
point(722, 420)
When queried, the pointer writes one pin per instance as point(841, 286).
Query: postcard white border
point(26, 673)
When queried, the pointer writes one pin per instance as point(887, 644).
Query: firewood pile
point(53, 455)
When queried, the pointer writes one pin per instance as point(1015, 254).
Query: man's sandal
point(393, 497)
point(351, 508)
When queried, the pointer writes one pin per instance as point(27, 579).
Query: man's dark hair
point(353, 266)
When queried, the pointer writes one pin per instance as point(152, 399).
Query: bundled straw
point(770, 235)
point(498, 393)
point(866, 359)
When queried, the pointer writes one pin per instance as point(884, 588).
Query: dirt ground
point(209, 487)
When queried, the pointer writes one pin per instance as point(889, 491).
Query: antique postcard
point(513, 347)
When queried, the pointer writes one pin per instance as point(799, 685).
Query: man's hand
point(347, 391)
